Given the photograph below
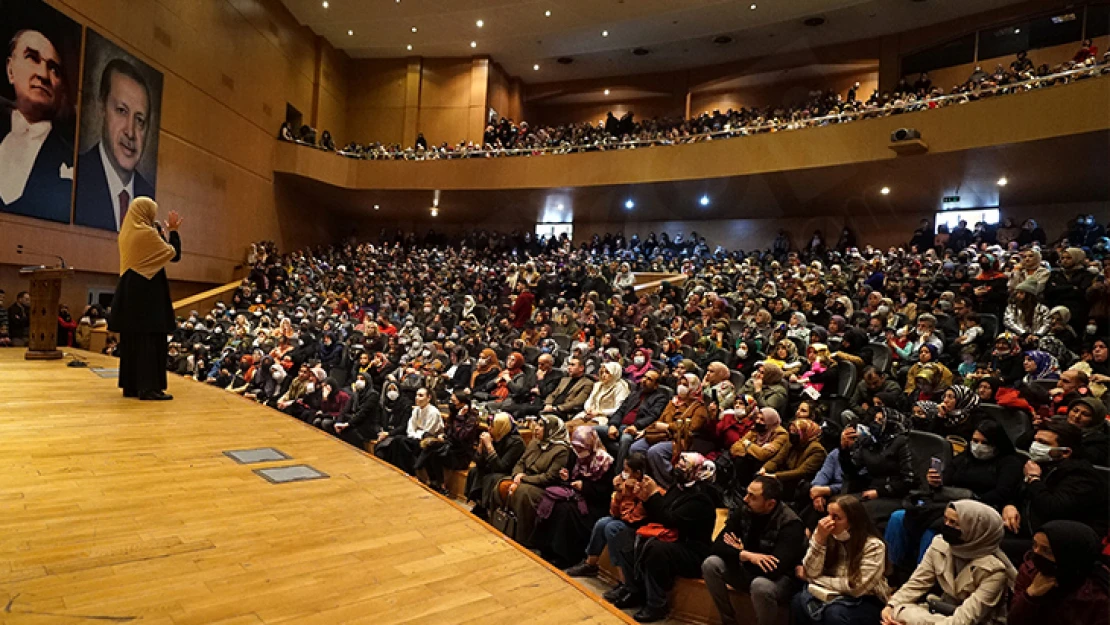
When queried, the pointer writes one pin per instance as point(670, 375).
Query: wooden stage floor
point(123, 511)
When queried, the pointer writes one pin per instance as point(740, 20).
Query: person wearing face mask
point(499, 449)
point(1062, 580)
point(452, 448)
point(844, 569)
point(756, 552)
point(669, 436)
point(878, 467)
point(745, 356)
point(1059, 485)
point(401, 449)
point(767, 442)
point(973, 573)
point(333, 404)
point(989, 473)
point(804, 457)
point(361, 422)
point(641, 364)
point(486, 370)
point(641, 408)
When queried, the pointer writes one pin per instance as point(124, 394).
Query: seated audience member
point(499, 450)
point(987, 390)
point(485, 374)
point(401, 448)
point(927, 360)
point(988, 472)
point(717, 386)
point(673, 543)
point(453, 448)
point(1007, 359)
point(878, 467)
point(564, 528)
point(626, 510)
point(605, 396)
point(844, 569)
point(975, 577)
point(361, 422)
point(1040, 365)
point(768, 388)
point(756, 552)
point(1089, 415)
point(333, 404)
point(803, 459)
point(511, 387)
point(659, 439)
point(1062, 580)
point(767, 442)
point(641, 408)
point(532, 401)
point(1059, 485)
point(641, 364)
point(862, 398)
point(1072, 385)
point(570, 394)
point(827, 484)
point(544, 459)
point(957, 413)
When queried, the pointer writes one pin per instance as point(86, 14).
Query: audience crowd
point(915, 435)
point(504, 137)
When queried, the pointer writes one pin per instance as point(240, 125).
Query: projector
point(907, 142)
point(904, 134)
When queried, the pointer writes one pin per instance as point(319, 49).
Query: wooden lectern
point(46, 292)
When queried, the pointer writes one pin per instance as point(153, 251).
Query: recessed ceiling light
point(885, 190)
point(473, 44)
point(435, 212)
point(545, 13)
point(376, 207)
point(408, 47)
point(606, 92)
point(704, 201)
point(479, 23)
point(752, 7)
point(414, 29)
point(629, 204)
point(324, 4)
point(1017, 31)
point(604, 33)
point(536, 67)
point(350, 33)
point(1002, 181)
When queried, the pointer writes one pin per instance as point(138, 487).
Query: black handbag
point(504, 520)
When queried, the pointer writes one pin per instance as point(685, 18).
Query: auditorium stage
point(123, 511)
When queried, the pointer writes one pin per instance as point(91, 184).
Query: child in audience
point(625, 510)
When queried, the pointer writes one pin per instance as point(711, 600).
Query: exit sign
point(950, 199)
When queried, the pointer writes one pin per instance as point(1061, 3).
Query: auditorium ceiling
point(1070, 169)
point(599, 36)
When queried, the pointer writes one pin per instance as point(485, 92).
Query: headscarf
point(931, 410)
point(636, 373)
point(772, 373)
point(554, 433)
point(598, 461)
point(772, 420)
point(982, 532)
point(808, 431)
point(697, 467)
point(894, 423)
point(614, 369)
point(1047, 365)
point(502, 426)
point(491, 363)
point(1076, 548)
point(967, 400)
point(141, 248)
point(791, 350)
point(1078, 255)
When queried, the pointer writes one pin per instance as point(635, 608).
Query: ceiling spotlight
point(479, 23)
point(350, 33)
point(1002, 181)
point(324, 4)
point(606, 92)
point(752, 7)
point(629, 204)
point(473, 44)
point(545, 13)
point(704, 201)
point(376, 207)
point(413, 29)
point(885, 190)
point(536, 67)
point(1017, 31)
point(435, 212)
point(604, 33)
point(409, 47)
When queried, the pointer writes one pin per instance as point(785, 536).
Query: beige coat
point(981, 588)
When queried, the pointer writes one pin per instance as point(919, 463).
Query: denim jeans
point(606, 528)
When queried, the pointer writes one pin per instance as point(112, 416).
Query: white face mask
point(310, 387)
point(625, 475)
point(742, 352)
point(982, 451)
point(392, 395)
point(1091, 329)
point(1039, 452)
point(360, 384)
point(682, 390)
point(639, 361)
point(842, 536)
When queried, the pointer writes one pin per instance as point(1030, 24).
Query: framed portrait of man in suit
point(38, 109)
point(117, 157)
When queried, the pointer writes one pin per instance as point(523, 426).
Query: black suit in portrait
point(46, 194)
point(95, 205)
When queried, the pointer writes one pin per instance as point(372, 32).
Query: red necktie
point(124, 201)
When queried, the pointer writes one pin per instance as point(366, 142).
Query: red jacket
point(522, 309)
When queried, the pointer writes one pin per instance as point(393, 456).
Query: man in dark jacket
point(1059, 485)
point(756, 552)
point(862, 400)
point(1068, 284)
point(546, 379)
point(640, 409)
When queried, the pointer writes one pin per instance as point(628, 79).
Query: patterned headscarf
point(807, 431)
point(597, 461)
point(1047, 365)
point(697, 467)
point(554, 432)
point(967, 400)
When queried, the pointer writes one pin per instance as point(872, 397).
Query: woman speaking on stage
point(142, 312)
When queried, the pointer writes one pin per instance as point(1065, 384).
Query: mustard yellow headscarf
point(141, 249)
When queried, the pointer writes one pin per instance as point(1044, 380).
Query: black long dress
point(142, 314)
point(563, 536)
point(481, 482)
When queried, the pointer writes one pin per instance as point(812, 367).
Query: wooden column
point(46, 292)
